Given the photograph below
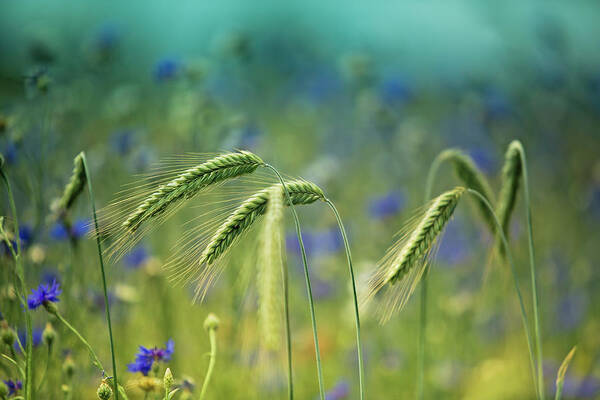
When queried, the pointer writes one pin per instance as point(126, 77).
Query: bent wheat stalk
point(515, 168)
point(465, 170)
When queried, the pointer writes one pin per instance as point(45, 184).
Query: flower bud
point(168, 379)
point(104, 391)
point(211, 322)
point(68, 367)
point(48, 335)
point(50, 307)
point(3, 390)
point(7, 335)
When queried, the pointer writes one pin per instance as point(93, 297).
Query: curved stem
point(308, 284)
point(532, 270)
point(21, 277)
point(211, 363)
point(95, 359)
point(354, 297)
point(516, 283)
point(435, 166)
point(106, 302)
point(43, 377)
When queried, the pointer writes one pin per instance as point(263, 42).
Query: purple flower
point(166, 69)
point(341, 390)
point(395, 90)
point(44, 295)
point(386, 205)
point(37, 338)
point(13, 386)
point(61, 232)
point(136, 257)
point(80, 228)
point(146, 357)
point(26, 235)
point(122, 141)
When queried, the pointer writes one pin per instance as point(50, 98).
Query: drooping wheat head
point(472, 178)
point(401, 269)
point(144, 205)
point(199, 261)
point(511, 179)
point(73, 188)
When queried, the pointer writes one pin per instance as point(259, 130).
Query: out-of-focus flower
point(454, 245)
point(13, 386)
point(37, 338)
point(387, 205)
point(395, 91)
point(341, 390)
point(166, 69)
point(571, 310)
point(122, 141)
point(137, 257)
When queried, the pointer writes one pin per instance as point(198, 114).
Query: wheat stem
point(308, 286)
point(104, 286)
point(212, 336)
point(21, 277)
point(354, 297)
point(532, 269)
point(516, 283)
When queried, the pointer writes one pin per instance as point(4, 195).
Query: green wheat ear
point(199, 262)
point(511, 179)
point(402, 267)
point(191, 181)
point(301, 192)
point(472, 178)
point(74, 187)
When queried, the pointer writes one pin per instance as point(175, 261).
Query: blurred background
point(358, 98)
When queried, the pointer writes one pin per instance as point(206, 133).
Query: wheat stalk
point(188, 183)
point(300, 191)
point(269, 261)
point(403, 266)
point(511, 179)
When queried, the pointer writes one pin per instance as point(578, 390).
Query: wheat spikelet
point(466, 170)
point(74, 187)
point(188, 183)
point(401, 269)
point(200, 259)
point(301, 192)
point(511, 179)
point(269, 264)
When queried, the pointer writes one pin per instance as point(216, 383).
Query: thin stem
point(211, 363)
point(354, 297)
point(532, 270)
point(95, 359)
point(106, 302)
point(422, 336)
point(43, 377)
point(308, 284)
point(12, 361)
point(516, 282)
point(288, 332)
point(21, 276)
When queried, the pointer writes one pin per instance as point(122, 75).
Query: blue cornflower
point(122, 141)
point(340, 391)
point(80, 227)
point(43, 295)
point(395, 90)
point(13, 386)
point(166, 69)
point(386, 205)
point(146, 357)
point(61, 232)
point(136, 257)
point(26, 235)
point(37, 338)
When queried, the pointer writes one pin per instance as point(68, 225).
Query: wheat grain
point(75, 185)
point(511, 179)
